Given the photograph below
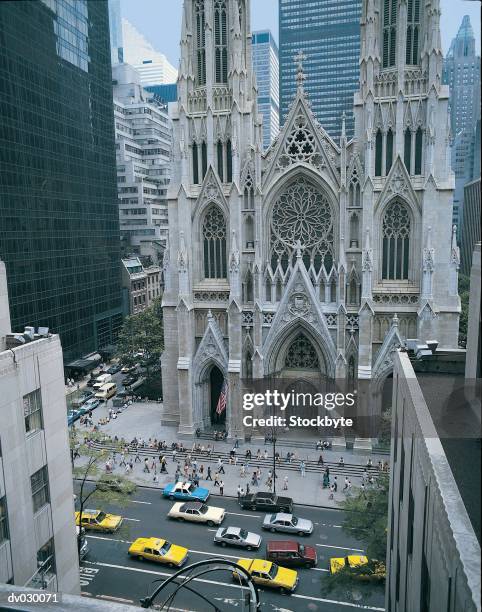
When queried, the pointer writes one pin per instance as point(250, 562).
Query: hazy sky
point(160, 20)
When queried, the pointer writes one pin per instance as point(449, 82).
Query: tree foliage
point(95, 485)
point(142, 333)
point(464, 288)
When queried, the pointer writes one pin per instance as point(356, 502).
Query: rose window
point(302, 213)
point(301, 355)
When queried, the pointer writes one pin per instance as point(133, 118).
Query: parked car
point(287, 523)
point(289, 553)
point(263, 500)
point(266, 573)
point(72, 416)
point(197, 513)
point(99, 521)
point(235, 536)
point(127, 369)
point(160, 551)
point(82, 398)
point(186, 491)
point(91, 404)
point(113, 369)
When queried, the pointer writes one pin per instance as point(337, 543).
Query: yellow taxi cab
point(266, 573)
point(161, 551)
point(98, 520)
point(372, 570)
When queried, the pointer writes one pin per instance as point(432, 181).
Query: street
point(109, 573)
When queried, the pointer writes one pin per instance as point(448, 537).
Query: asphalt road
point(109, 573)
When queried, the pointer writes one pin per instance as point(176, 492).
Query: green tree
point(142, 333)
point(464, 288)
point(96, 487)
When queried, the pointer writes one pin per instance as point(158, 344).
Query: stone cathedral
point(314, 256)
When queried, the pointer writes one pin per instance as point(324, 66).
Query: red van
point(289, 553)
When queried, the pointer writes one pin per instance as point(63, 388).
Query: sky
point(160, 21)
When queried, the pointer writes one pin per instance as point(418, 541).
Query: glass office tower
point(59, 218)
point(266, 68)
point(328, 32)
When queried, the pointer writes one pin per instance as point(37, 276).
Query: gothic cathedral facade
point(314, 255)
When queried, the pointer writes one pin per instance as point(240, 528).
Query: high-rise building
point(471, 224)
point(59, 221)
point(38, 544)
point(153, 67)
point(314, 259)
point(266, 69)
point(143, 150)
point(328, 33)
point(115, 23)
point(462, 74)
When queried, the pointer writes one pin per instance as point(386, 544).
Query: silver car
point(235, 536)
point(287, 523)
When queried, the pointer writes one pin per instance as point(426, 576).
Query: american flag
point(222, 399)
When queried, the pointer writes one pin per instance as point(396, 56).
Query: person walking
point(131, 465)
point(285, 483)
point(153, 464)
point(302, 469)
point(239, 492)
point(137, 459)
point(221, 487)
point(123, 461)
point(208, 475)
point(345, 488)
point(332, 492)
point(247, 489)
point(335, 483)
point(146, 465)
point(341, 463)
point(320, 460)
point(174, 453)
point(236, 442)
point(220, 466)
point(216, 479)
point(265, 454)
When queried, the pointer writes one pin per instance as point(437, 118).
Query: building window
point(301, 355)
point(32, 411)
point(407, 150)
point(389, 32)
point(40, 488)
point(229, 161)
point(354, 231)
point(249, 366)
point(46, 564)
point(418, 150)
point(204, 159)
point(413, 32)
point(220, 156)
point(220, 42)
point(389, 151)
point(378, 153)
point(396, 229)
point(200, 42)
point(4, 535)
point(354, 198)
point(195, 166)
point(214, 242)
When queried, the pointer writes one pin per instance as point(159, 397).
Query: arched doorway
point(216, 380)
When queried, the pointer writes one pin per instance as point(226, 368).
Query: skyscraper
point(59, 225)
point(115, 23)
point(328, 33)
point(462, 74)
point(266, 69)
point(154, 67)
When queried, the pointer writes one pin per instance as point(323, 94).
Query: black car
point(263, 500)
point(114, 368)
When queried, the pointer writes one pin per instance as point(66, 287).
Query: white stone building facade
point(38, 543)
point(296, 260)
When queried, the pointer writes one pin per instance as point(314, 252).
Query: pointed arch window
point(249, 232)
point(268, 290)
point(354, 192)
point(396, 232)
point(195, 164)
point(389, 32)
point(220, 41)
point(418, 150)
point(389, 151)
point(354, 231)
point(214, 243)
point(407, 150)
point(249, 365)
point(353, 293)
point(413, 32)
point(229, 161)
point(248, 193)
point(200, 42)
point(378, 153)
point(248, 287)
point(220, 158)
point(204, 159)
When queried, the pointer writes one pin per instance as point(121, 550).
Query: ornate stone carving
point(331, 319)
point(268, 318)
point(352, 321)
point(211, 296)
point(396, 298)
point(248, 317)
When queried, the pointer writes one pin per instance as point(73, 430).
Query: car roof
point(282, 546)
point(282, 516)
point(84, 512)
point(235, 530)
point(183, 483)
point(192, 505)
point(261, 565)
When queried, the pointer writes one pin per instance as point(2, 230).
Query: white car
point(197, 512)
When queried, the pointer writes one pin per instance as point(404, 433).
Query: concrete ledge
point(363, 446)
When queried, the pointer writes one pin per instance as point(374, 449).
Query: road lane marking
point(136, 501)
point(341, 547)
point(248, 515)
point(93, 537)
point(134, 520)
point(234, 586)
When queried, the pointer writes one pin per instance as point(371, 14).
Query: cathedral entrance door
point(216, 379)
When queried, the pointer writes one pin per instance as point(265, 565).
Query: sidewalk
point(142, 420)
